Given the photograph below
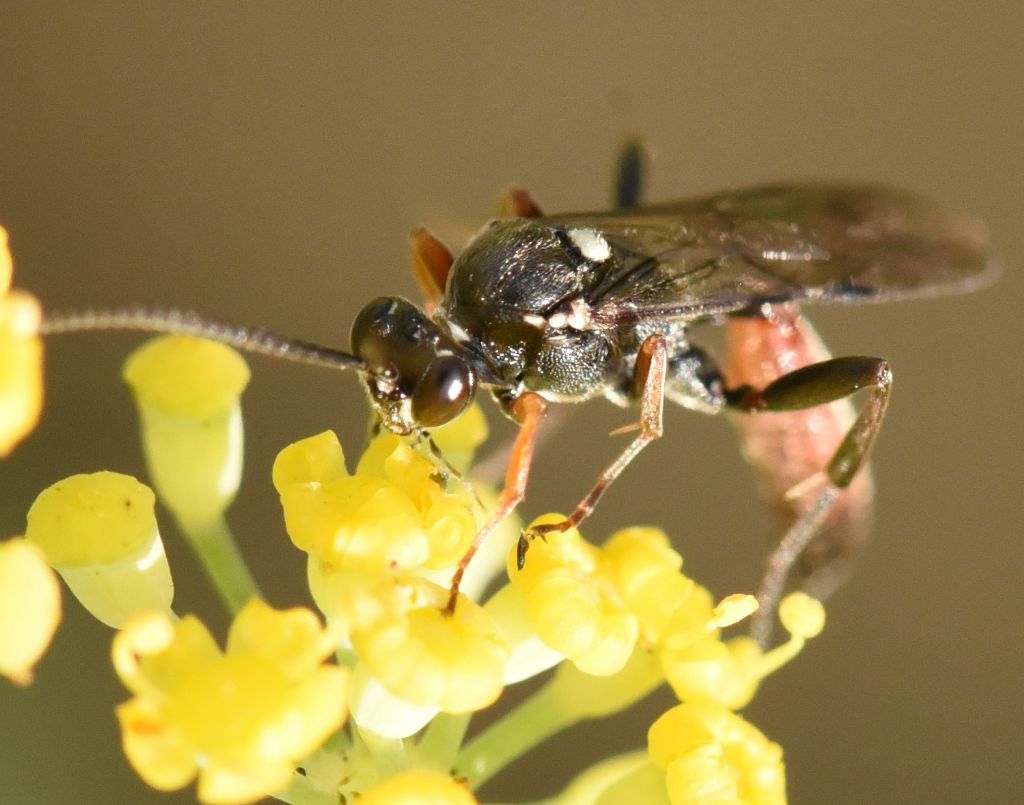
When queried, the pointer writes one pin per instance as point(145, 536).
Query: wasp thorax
point(414, 372)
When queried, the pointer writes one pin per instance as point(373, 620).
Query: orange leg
point(649, 382)
point(528, 410)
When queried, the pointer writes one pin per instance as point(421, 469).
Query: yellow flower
point(187, 391)
point(21, 358)
point(698, 664)
point(29, 608)
point(572, 606)
point(642, 566)
point(99, 532)
point(394, 515)
point(712, 756)
point(240, 719)
point(418, 787)
point(431, 658)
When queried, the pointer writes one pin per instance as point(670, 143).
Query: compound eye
point(443, 392)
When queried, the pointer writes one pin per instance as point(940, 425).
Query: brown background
point(264, 162)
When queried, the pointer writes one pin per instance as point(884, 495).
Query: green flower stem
point(218, 553)
point(533, 721)
point(390, 755)
point(570, 697)
point(323, 772)
point(440, 744)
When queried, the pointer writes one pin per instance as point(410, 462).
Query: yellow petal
point(92, 519)
point(186, 376)
point(29, 608)
point(151, 654)
point(6, 264)
point(317, 459)
point(21, 367)
point(158, 753)
point(99, 532)
point(418, 787)
point(460, 438)
point(645, 571)
point(221, 784)
point(431, 658)
point(292, 638)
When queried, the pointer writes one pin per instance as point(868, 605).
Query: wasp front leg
point(811, 452)
point(649, 383)
point(528, 410)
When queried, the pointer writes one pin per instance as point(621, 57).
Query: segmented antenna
point(186, 322)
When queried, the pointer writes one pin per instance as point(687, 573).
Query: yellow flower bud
point(711, 755)
point(801, 615)
point(99, 532)
point(573, 609)
point(645, 570)
point(21, 358)
point(187, 391)
point(29, 606)
point(727, 673)
point(394, 515)
point(418, 787)
point(432, 658)
point(242, 719)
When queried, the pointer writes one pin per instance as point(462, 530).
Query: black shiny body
point(518, 301)
point(503, 292)
point(560, 305)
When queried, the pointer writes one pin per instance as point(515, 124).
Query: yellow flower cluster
point(240, 719)
point(379, 541)
point(609, 609)
point(382, 542)
point(21, 358)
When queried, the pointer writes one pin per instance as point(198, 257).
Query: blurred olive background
point(264, 162)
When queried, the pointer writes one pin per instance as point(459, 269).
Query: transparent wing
point(815, 242)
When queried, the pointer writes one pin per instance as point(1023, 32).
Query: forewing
point(802, 242)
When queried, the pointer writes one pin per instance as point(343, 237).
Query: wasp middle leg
point(649, 382)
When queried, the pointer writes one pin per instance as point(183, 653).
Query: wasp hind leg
point(649, 380)
point(811, 386)
point(630, 174)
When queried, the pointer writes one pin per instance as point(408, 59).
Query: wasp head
point(414, 373)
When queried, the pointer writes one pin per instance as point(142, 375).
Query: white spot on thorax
point(591, 244)
point(578, 317)
point(458, 333)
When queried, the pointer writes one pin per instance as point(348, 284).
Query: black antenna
point(186, 322)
